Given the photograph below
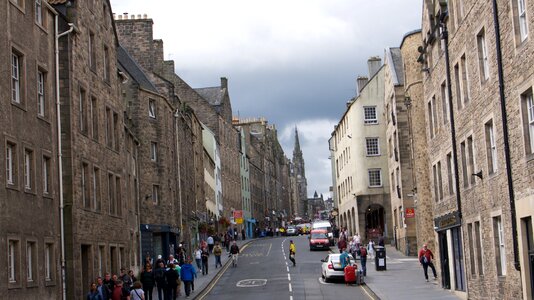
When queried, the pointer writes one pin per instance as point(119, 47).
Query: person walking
point(148, 281)
point(292, 252)
point(211, 243)
point(204, 256)
point(363, 259)
point(217, 252)
point(172, 277)
point(102, 289)
point(187, 274)
point(234, 252)
point(371, 249)
point(137, 292)
point(198, 258)
point(109, 284)
point(159, 276)
point(425, 258)
point(93, 293)
point(120, 292)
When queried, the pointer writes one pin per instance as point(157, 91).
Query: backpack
point(363, 251)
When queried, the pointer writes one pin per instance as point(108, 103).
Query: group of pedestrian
point(116, 287)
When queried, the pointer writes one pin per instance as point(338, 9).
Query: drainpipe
point(505, 135)
point(59, 155)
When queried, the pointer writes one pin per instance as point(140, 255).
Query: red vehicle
point(319, 239)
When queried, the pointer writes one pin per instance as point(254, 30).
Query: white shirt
point(136, 294)
point(198, 254)
point(210, 240)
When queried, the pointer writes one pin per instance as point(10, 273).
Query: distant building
point(315, 205)
point(298, 174)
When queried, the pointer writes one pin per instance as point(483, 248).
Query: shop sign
point(410, 212)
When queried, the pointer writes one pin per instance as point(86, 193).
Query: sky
point(294, 62)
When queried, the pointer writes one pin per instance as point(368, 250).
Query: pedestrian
point(198, 258)
point(172, 260)
point(217, 252)
point(357, 240)
point(126, 279)
point(187, 274)
point(292, 252)
point(234, 252)
point(137, 292)
point(181, 254)
point(120, 292)
point(148, 259)
point(102, 289)
point(381, 241)
point(171, 277)
point(371, 249)
point(335, 233)
point(341, 244)
point(93, 293)
point(344, 259)
point(204, 256)
point(109, 285)
point(159, 277)
point(159, 260)
point(148, 281)
point(132, 276)
point(425, 258)
point(227, 239)
point(235, 234)
point(211, 243)
point(243, 236)
point(363, 259)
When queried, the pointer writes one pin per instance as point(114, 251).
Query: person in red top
point(425, 258)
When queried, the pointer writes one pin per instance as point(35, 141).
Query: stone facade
point(300, 182)
point(485, 213)
point(28, 181)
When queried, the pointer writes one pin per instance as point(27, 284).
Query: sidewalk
point(404, 279)
point(202, 281)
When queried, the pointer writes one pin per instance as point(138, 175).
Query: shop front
point(451, 251)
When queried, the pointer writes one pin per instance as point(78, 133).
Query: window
point(498, 238)
point(15, 77)
point(83, 113)
point(96, 188)
point(106, 64)
point(435, 178)
point(40, 93)
point(38, 12)
point(527, 104)
point(94, 117)
point(375, 178)
point(483, 56)
point(101, 263)
point(522, 16)
point(458, 89)
point(155, 194)
point(85, 186)
point(471, 247)
point(118, 196)
point(491, 147)
point(432, 117)
point(372, 146)
point(11, 163)
point(465, 80)
point(153, 151)
point(48, 261)
point(369, 116)
point(479, 249)
point(440, 181)
point(116, 129)
point(28, 169)
point(450, 174)
point(471, 161)
point(46, 175)
point(13, 260)
point(445, 103)
point(152, 108)
point(92, 54)
point(31, 261)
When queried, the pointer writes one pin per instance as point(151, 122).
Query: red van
point(319, 239)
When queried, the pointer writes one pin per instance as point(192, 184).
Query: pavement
point(403, 279)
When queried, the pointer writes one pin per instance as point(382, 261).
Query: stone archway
point(374, 221)
point(353, 222)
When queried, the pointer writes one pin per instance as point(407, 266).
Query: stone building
point(29, 190)
point(99, 152)
point(298, 174)
point(478, 90)
point(400, 143)
point(361, 162)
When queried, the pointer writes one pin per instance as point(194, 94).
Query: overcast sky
point(294, 62)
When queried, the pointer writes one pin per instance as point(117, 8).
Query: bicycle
point(234, 260)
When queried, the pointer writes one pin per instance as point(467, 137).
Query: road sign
point(238, 214)
point(410, 212)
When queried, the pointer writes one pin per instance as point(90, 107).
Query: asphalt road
point(265, 272)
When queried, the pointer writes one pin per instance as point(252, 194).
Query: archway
point(374, 221)
point(353, 223)
point(349, 223)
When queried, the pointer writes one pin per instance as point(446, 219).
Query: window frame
point(29, 169)
point(16, 77)
point(39, 16)
point(500, 246)
point(152, 113)
point(491, 147)
point(46, 173)
point(153, 151)
point(370, 121)
point(41, 93)
point(483, 56)
point(370, 147)
point(370, 178)
point(522, 20)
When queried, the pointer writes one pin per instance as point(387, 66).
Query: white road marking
point(287, 267)
point(290, 297)
point(289, 277)
point(290, 288)
point(269, 249)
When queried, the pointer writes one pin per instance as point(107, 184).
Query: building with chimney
point(360, 154)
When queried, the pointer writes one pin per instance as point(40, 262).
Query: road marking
point(290, 297)
point(251, 283)
point(287, 267)
point(290, 288)
point(269, 249)
point(288, 276)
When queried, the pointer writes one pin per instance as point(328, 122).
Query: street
point(264, 273)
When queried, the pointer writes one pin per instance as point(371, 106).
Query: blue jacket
point(187, 273)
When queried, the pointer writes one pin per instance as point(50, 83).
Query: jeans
point(161, 292)
point(187, 287)
point(363, 261)
point(148, 293)
point(205, 267)
point(425, 269)
point(170, 292)
point(199, 263)
point(218, 261)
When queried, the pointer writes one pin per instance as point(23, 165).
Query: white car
point(292, 230)
point(331, 267)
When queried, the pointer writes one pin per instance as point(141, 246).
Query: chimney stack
point(361, 81)
point(374, 63)
point(125, 16)
point(224, 83)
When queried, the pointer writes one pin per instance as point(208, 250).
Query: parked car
point(292, 230)
point(319, 239)
point(331, 267)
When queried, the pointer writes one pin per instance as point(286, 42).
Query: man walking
point(187, 274)
point(425, 258)
point(217, 252)
point(292, 252)
point(211, 243)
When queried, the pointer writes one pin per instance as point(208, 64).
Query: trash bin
point(380, 258)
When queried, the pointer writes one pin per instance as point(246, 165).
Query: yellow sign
point(239, 220)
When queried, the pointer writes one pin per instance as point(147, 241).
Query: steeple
point(297, 150)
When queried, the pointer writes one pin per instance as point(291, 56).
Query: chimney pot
point(139, 16)
point(145, 16)
point(132, 17)
point(125, 15)
point(120, 17)
point(361, 81)
point(224, 82)
point(374, 63)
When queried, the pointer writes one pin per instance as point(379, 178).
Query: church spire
point(297, 150)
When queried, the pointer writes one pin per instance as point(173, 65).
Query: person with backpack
point(363, 259)
point(425, 258)
point(148, 281)
point(217, 252)
point(127, 281)
point(137, 292)
point(159, 277)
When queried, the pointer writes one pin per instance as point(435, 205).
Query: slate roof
point(395, 59)
point(214, 95)
point(134, 70)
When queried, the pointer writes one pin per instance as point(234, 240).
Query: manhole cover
point(251, 282)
